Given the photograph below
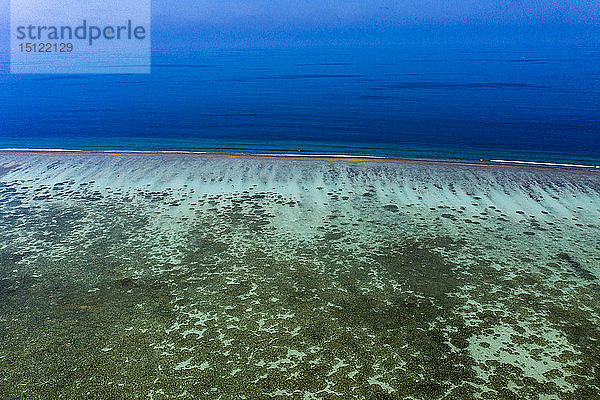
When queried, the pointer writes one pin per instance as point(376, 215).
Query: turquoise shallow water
point(182, 276)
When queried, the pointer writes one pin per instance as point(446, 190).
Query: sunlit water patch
point(154, 276)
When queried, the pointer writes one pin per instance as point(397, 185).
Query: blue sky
point(257, 22)
point(286, 13)
point(291, 13)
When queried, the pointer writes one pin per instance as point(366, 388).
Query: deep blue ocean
point(509, 101)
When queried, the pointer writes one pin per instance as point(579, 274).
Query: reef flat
point(195, 277)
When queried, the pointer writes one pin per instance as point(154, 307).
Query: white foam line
point(548, 164)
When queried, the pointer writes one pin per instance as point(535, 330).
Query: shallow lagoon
point(214, 276)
